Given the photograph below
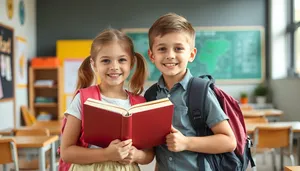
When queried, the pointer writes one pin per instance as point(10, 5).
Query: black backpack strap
point(151, 93)
point(197, 93)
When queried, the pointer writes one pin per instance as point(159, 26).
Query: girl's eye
point(123, 60)
point(105, 61)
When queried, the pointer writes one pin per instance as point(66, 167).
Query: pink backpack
point(94, 93)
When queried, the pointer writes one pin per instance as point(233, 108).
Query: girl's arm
point(72, 153)
point(144, 156)
point(222, 141)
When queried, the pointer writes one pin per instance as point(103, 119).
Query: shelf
point(45, 104)
point(39, 86)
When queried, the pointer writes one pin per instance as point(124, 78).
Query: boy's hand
point(176, 142)
point(118, 150)
point(132, 155)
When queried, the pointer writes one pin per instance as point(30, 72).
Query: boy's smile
point(171, 54)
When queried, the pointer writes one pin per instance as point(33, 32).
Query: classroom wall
point(76, 19)
point(27, 31)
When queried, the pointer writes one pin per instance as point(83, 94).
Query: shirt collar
point(184, 82)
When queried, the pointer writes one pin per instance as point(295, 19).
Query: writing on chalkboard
point(228, 54)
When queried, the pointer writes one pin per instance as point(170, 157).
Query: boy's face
point(171, 54)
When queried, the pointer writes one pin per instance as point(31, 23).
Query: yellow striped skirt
point(105, 166)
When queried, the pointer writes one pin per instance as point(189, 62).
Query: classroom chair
point(8, 153)
point(28, 117)
point(31, 163)
point(267, 137)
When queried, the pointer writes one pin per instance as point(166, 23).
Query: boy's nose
point(170, 55)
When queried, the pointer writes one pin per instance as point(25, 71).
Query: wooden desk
point(40, 144)
point(294, 124)
point(270, 114)
point(6, 132)
point(292, 168)
point(53, 126)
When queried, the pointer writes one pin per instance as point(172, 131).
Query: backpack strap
point(151, 93)
point(197, 93)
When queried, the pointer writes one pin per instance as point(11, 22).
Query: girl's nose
point(114, 65)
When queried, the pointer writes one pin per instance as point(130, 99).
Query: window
point(296, 30)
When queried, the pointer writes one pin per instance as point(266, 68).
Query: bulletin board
point(71, 53)
point(7, 87)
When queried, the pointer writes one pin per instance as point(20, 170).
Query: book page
point(150, 105)
point(106, 106)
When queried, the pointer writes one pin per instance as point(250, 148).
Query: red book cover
point(147, 124)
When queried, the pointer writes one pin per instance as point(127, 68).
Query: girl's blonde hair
point(86, 76)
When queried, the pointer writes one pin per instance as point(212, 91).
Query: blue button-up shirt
point(185, 160)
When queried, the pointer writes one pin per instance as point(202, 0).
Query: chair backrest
point(8, 152)
point(29, 118)
point(33, 132)
point(267, 137)
point(255, 120)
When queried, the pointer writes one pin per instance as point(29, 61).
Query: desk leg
point(52, 157)
point(298, 150)
point(42, 160)
point(5, 167)
point(281, 159)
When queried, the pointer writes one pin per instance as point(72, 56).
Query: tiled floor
point(260, 166)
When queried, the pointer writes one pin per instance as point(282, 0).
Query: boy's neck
point(113, 91)
point(170, 81)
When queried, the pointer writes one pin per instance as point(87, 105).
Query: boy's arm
point(222, 141)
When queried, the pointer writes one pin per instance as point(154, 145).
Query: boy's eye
point(179, 48)
point(162, 49)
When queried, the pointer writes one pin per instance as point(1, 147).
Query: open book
point(146, 124)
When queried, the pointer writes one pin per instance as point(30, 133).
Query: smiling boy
point(172, 46)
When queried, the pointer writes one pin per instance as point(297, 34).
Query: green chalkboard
point(229, 54)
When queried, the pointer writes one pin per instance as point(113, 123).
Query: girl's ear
point(93, 64)
point(151, 56)
point(193, 54)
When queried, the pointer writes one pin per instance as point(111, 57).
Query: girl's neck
point(117, 92)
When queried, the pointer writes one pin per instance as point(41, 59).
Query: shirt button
point(170, 159)
point(168, 95)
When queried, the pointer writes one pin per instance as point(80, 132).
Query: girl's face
point(112, 64)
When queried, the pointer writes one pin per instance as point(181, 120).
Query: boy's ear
point(193, 54)
point(151, 56)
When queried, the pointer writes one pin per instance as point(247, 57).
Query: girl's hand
point(118, 150)
point(132, 156)
point(176, 142)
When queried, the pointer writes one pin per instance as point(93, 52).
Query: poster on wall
point(70, 74)
point(6, 63)
point(10, 8)
point(21, 62)
point(22, 12)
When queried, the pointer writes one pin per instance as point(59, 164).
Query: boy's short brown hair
point(169, 23)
